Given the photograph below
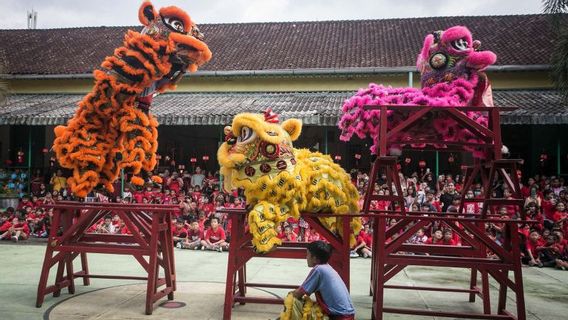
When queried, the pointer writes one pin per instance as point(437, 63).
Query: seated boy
point(214, 238)
point(179, 233)
point(194, 236)
point(331, 293)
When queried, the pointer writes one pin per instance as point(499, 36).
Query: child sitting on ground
point(214, 238)
point(18, 230)
point(332, 295)
point(194, 236)
point(179, 233)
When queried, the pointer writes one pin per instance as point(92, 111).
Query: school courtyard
point(200, 292)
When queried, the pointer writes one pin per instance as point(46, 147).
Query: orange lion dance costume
point(112, 128)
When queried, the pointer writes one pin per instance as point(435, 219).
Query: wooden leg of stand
point(152, 268)
point(69, 266)
point(44, 276)
point(241, 282)
point(485, 292)
point(472, 284)
point(85, 269)
point(59, 275)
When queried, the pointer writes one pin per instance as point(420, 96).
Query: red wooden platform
point(69, 238)
point(241, 251)
point(392, 254)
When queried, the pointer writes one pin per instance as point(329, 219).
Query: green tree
point(559, 59)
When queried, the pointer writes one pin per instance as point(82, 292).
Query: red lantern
point(337, 158)
point(45, 150)
point(422, 164)
point(398, 166)
point(193, 160)
point(357, 156)
point(451, 158)
point(158, 157)
point(205, 158)
point(407, 161)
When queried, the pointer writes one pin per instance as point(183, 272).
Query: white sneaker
point(178, 245)
point(202, 248)
point(353, 254)
point(220, 249)
point(14, 238)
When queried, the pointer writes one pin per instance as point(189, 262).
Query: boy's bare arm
point(298, 293)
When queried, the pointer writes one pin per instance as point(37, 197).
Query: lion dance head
point(112, 128)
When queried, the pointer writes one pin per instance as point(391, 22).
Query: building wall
point(500, 80)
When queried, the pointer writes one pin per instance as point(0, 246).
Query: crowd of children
point(200, 225)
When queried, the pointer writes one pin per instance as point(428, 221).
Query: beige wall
point(500, 80)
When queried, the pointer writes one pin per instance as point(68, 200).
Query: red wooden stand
point(241, 251)
point(151, 237)
point(392, 253)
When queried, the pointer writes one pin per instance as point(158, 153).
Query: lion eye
point(175, 24)
point(246, 134)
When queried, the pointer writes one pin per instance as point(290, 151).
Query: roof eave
point(283, 72)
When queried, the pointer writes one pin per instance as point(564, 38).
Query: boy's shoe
point(14, 238)
point(354, 254)
point(178, 245)
point(196, 247)
point(202, 248)
point(220, 249)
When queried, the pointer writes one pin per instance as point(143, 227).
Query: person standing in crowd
point(197, 178)
point(448, 196)
point(58, 182)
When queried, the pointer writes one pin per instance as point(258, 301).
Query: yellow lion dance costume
point(112, 128)
point(279, 180)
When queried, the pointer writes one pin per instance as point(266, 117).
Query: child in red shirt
point(214, 238)
point(5, 225)
point(194, 236)
point(179, 233)
point(18, 230)
point(364, 243)
point(532, 242)
point(289, 234)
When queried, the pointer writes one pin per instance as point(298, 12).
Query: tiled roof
point(314, 108)
point(517, 40)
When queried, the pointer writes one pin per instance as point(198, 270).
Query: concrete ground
point(201, 277)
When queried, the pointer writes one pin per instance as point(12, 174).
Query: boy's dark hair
point(108, 216)
point(214, 218)
point(180, 220)
point(320, 250)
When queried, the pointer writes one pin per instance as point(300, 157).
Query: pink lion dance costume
point(451, 68)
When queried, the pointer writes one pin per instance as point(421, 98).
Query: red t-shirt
point(24, 204)
point(194, 235)
point(531, 246)
point(180, 233)
point(558, 215)
point(451, 242)
point(138, 195)
point(5, 226)
point(292, 237)
point(215, 235)
point(365, 237)
point(25, 227)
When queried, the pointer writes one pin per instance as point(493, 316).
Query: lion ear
point(293, 127)
point(146, 13)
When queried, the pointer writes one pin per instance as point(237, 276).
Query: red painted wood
point(392, 255)
point(241, 251)
point(153, 239)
